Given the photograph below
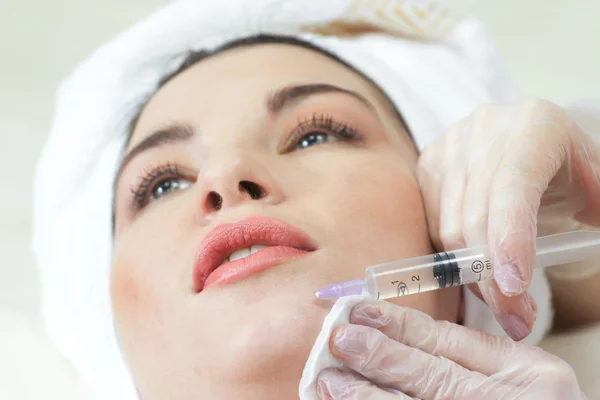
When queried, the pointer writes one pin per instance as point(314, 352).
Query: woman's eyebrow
point(170, 134)
point(289, 95)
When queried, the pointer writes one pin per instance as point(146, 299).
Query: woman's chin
point(276, 344)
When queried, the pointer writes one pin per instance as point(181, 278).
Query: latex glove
point(501, 176)
point(400, 353)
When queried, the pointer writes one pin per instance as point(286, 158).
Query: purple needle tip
point(341, 289)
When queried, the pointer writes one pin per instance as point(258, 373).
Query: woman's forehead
point(246, 74)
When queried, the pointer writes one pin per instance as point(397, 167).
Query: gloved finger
point(464, 206)
point(430, 178)
point(474, 288)
point(437, 338)
point(391, 364)
point(586, 157)
point(463, 216)
point(538, 153)
point(516, 192)
point(481, 170)
point(333, 384)
point(451, 202)
point(515, 314)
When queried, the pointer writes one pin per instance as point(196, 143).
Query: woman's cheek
point(152, 255)
point(143, 284)
point(126, 282)
point(132, 301)
point(124, 289)
point(387, 196)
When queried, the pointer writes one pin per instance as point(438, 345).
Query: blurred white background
point(550, 47)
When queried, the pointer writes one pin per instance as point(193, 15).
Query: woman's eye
point(313, 138)
point(157, 183)
point(167, 186)
point(317, 130)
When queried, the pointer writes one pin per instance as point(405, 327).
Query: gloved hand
point(502, 176)
point(404, 354)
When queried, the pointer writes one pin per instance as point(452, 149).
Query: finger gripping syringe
point(458, 267)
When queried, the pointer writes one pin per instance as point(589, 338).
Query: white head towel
point(436, 68)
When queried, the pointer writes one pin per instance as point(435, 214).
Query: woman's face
point(272, 145)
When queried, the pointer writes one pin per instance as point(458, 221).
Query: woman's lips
point(285, 242)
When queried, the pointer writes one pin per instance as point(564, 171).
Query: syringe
point(459, 267)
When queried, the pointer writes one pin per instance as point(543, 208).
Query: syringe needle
point(337, 290)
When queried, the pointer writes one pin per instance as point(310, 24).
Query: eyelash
point(326, 124)
point(149, 179)
point(318, 123)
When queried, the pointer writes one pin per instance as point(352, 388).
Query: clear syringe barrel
point(431, 272)
point(461, 267)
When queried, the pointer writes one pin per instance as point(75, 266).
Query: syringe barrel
point(460, 267)
point(430, 272)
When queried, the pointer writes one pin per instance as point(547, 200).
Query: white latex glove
point(402, 353)
point(504, 175)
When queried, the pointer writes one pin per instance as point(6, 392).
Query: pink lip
point(287, 242)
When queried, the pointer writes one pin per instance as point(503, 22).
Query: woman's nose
point(225, 185)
